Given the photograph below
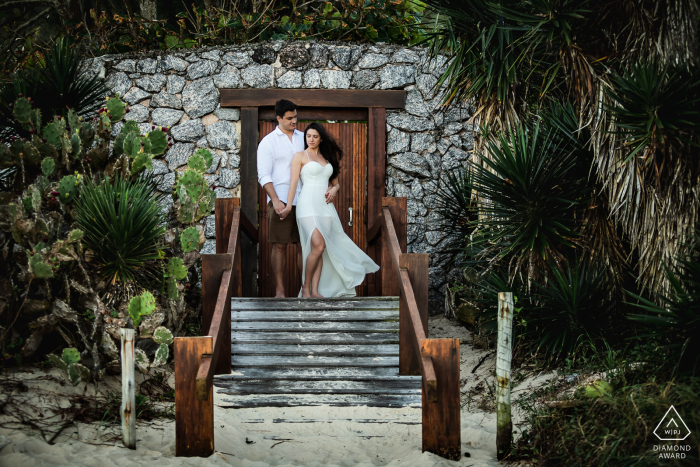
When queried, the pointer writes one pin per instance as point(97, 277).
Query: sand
point(299, 436)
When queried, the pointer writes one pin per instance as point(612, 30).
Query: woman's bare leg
point(316, 279)
point(318, 244)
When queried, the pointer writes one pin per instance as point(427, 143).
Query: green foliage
point(197, 163)
point(176, 271)
point(47, 166)
point(162, 335)
point(122, 221)
point(40, 269)
point(69, 189)
point(140, 306)
point(115, 109)
point(158, 141)
point(196, 199)
point(189, 239)
point(206, 155)
point(674, 322)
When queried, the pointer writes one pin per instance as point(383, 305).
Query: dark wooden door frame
point(319, 104)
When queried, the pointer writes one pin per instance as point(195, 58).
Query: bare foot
point(305, 294)
point(316, 295)
point(280, 294)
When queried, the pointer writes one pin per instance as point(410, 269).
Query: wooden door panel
point(352, 138)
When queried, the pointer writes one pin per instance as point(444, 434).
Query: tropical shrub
point(123, 225)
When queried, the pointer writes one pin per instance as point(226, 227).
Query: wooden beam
point(313, 98)
point(395, 209)
point(441, 419)
point(376, 187)
point(318, 113)
point(249, 228)
point(249, 196)
point(213, 267)
point(194, 418)
point(409, 353)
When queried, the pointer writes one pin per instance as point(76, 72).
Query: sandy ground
point(338, 436)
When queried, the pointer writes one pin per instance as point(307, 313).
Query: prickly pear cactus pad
point(189, 239)
point(141, 306)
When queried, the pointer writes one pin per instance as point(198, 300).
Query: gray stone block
point(258, 76)
point(165, 99)
point(118, 83)
point(159, 167)
point(417, 190)
point(200, 69)
point(178, 154)
point(137, 113)
point(426, 83)
point(397, 141)
point(166, 117)
point(215, 159)
point(405, 56)
point(222, 193)
point(166, 203)
point(222, 135)
point(423, 142)
point(229, 178)
point(414, 232)
point(190, 131)
point(229, 77)
point(211, 55)
point(335, 79)
point(318, 55)
point(372, 61)
point(397, 76)
point(166, 181)
point(209, 247)
point(126, 65)
point(210, 230)
point(202, 142)
point(175, 84)
point(365, 79)
point(135, 95)
point(153, 83)
point(228, 113)
point(234, 161)
point(292, 57)
point(312, 79)
point(409, 123)
point(147, 65)
point(452, 128)
point(199, 97)
point(173, 63)
point(290, 80)
point(411, 163)
point(415, 105)
point(237, 59)
point(433, 237)
point(443, 145)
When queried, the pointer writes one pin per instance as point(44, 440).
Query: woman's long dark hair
point(328, 147)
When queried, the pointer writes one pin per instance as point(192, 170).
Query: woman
point(333, 264)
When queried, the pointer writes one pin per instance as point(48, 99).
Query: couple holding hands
point(299, 172)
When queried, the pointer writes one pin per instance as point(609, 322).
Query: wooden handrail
point(248, 228)
point(406, 290)
point(205, 374)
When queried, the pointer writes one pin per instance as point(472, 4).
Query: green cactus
point(161, 356)
point(27, 203)
point(52, 134)
point(130, 126)
point(40, 269)
point(22, 110)
point(162, 335)
point(27, 152)
point(206, 154)
point(69, 362)
point(140, 306)
point(70, 355)
point(76, 145)
point(187, 212)
point(176, 271)
point(194, 184)
point(47, 166)
point(115, 108)
point(57, 361)
point(75, 235)
point(73, 121)
point(87, 134)
point(68, 189)
point(159, 142)
point(197, 163)
point(32, 203)
point(189, 239)
point(142, 161)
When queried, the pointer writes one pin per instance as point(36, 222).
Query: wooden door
point(352, 138)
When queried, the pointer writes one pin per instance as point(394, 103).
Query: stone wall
point(180, 89)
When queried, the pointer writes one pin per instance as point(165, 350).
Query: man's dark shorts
point(282, 231)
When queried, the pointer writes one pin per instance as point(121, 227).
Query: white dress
point(344, 263)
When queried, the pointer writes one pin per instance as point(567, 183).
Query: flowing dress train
point(344, 263)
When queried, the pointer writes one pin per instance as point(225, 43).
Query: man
point(275, 153)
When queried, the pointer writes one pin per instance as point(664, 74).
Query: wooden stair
point(305, 352)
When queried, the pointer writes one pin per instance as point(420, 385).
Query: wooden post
point(213, 267)
point(249, 198)
point(128, 389)
point(441, 419)
point(376, 186)
point(397, 206)
point(504, 425)
point(194, 419)
point(417, 265)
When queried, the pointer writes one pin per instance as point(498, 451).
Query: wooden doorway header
point(314, 104)
point(314, 98)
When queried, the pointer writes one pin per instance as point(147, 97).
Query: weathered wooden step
point(335, 400)
point(312, 304)
point(380, 326)
point(339, 338)
point(391, 350)
point(306, 362)
point(310, 374)
point(314, 315)
point(388, 387)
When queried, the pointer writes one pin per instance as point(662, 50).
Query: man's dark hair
point(283, 106)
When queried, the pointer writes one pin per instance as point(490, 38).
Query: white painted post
point(504, 354)
point(128, 389)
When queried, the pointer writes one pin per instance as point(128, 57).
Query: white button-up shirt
point(275, 153)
